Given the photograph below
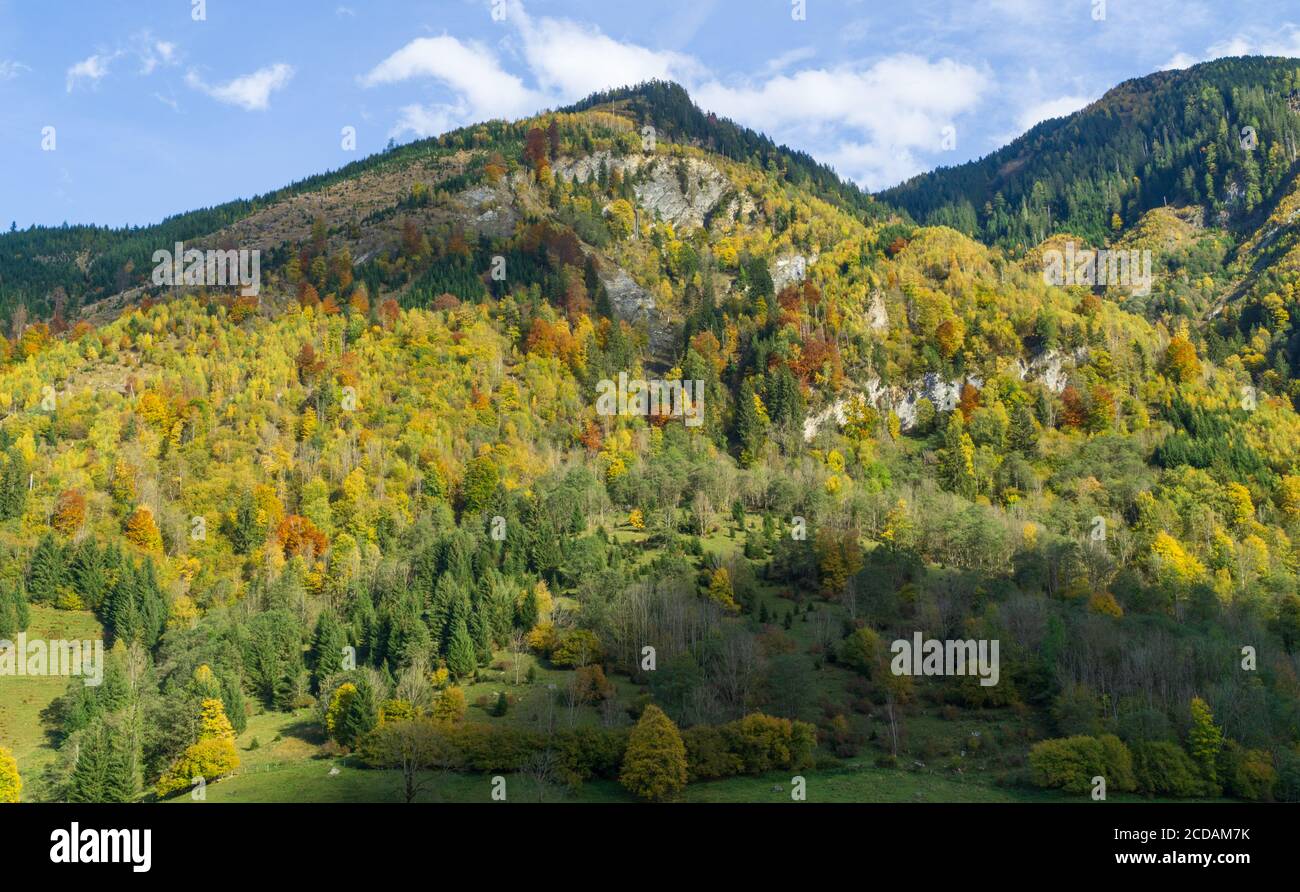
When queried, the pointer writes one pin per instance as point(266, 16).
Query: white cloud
point(150, 52)
point(1051, 108)
point(873, 121)
point(154, 53)
point(92, 69)
point(427, 120)
point(10, 69)
point(469, 69)
point(789, 57)
point(572, 60)
point(482, 88)
point(251, 91)
point(870, 120)
point(1179, 61)
point(1283, 41)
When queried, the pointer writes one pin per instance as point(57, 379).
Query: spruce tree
point(47, 572)
point(461, 659)
point(1023, 435)
point(327, 646)
point(89, 775)
point(748, 425)
point(121, 782)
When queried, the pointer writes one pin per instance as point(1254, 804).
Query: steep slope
point(1170, 138)
point(398, 453)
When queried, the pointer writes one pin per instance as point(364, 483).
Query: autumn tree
point(142, 531)
point(213, 756)
point(1204, 741)
point(1180, 360)
point(11, 784)
point(654, 765)
point(69, 512)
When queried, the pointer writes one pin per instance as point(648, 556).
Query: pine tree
point(13, 486)
point(357, 718)
point(1023, 435)
point(121, 615)
point(46, 573)
point(245, 535)
point(121, 780)
point(89, 775)
point(461, 659)
point(88, 574)
point(8, 619)
point(749, 424)
point(957, 458)
point(327, 646)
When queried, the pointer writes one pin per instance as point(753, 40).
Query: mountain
point(413, 486)
point(1175, 138)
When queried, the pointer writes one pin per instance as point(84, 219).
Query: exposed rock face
point(630, 300)
point(659, 186)
point(877, 316)
point(1051, 368)
point(791, 269)
point(633, 303)
point(489, 210)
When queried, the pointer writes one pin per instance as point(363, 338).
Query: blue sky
point(154, 112)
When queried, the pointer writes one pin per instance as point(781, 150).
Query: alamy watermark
point(934, 657)
point(39, 657)
point(1127, 269)
point(679, 398)
point(212, 268)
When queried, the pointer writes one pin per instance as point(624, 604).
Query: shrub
point(1245, 773)
point(763, 742)
point(708, 755)
point(576, 647)
point(591, 752)
point(494, 747)
point(1162, 768)
point(1071, 763)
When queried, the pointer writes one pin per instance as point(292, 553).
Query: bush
point(495, 747)
point(576, 647)
point(591, 752)
point(209, 759)
point(1247, 774)
point(1071, 763)
point(1163, 768)
point(763, 742)
point(708, 756)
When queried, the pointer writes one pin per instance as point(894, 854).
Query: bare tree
point(414, 747)
point(543, 769)
point(518, 643)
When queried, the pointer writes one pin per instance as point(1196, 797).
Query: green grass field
point(24, 698)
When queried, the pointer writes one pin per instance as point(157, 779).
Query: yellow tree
point(11, 785)
point(212, 757)
point(654, 765)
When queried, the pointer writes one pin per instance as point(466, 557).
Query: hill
point(385, 502)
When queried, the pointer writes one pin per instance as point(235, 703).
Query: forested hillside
point(1174, 138)
point(376, 510)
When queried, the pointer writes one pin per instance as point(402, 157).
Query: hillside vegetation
point(377, 512)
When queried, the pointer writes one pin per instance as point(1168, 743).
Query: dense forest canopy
point(381, 500)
